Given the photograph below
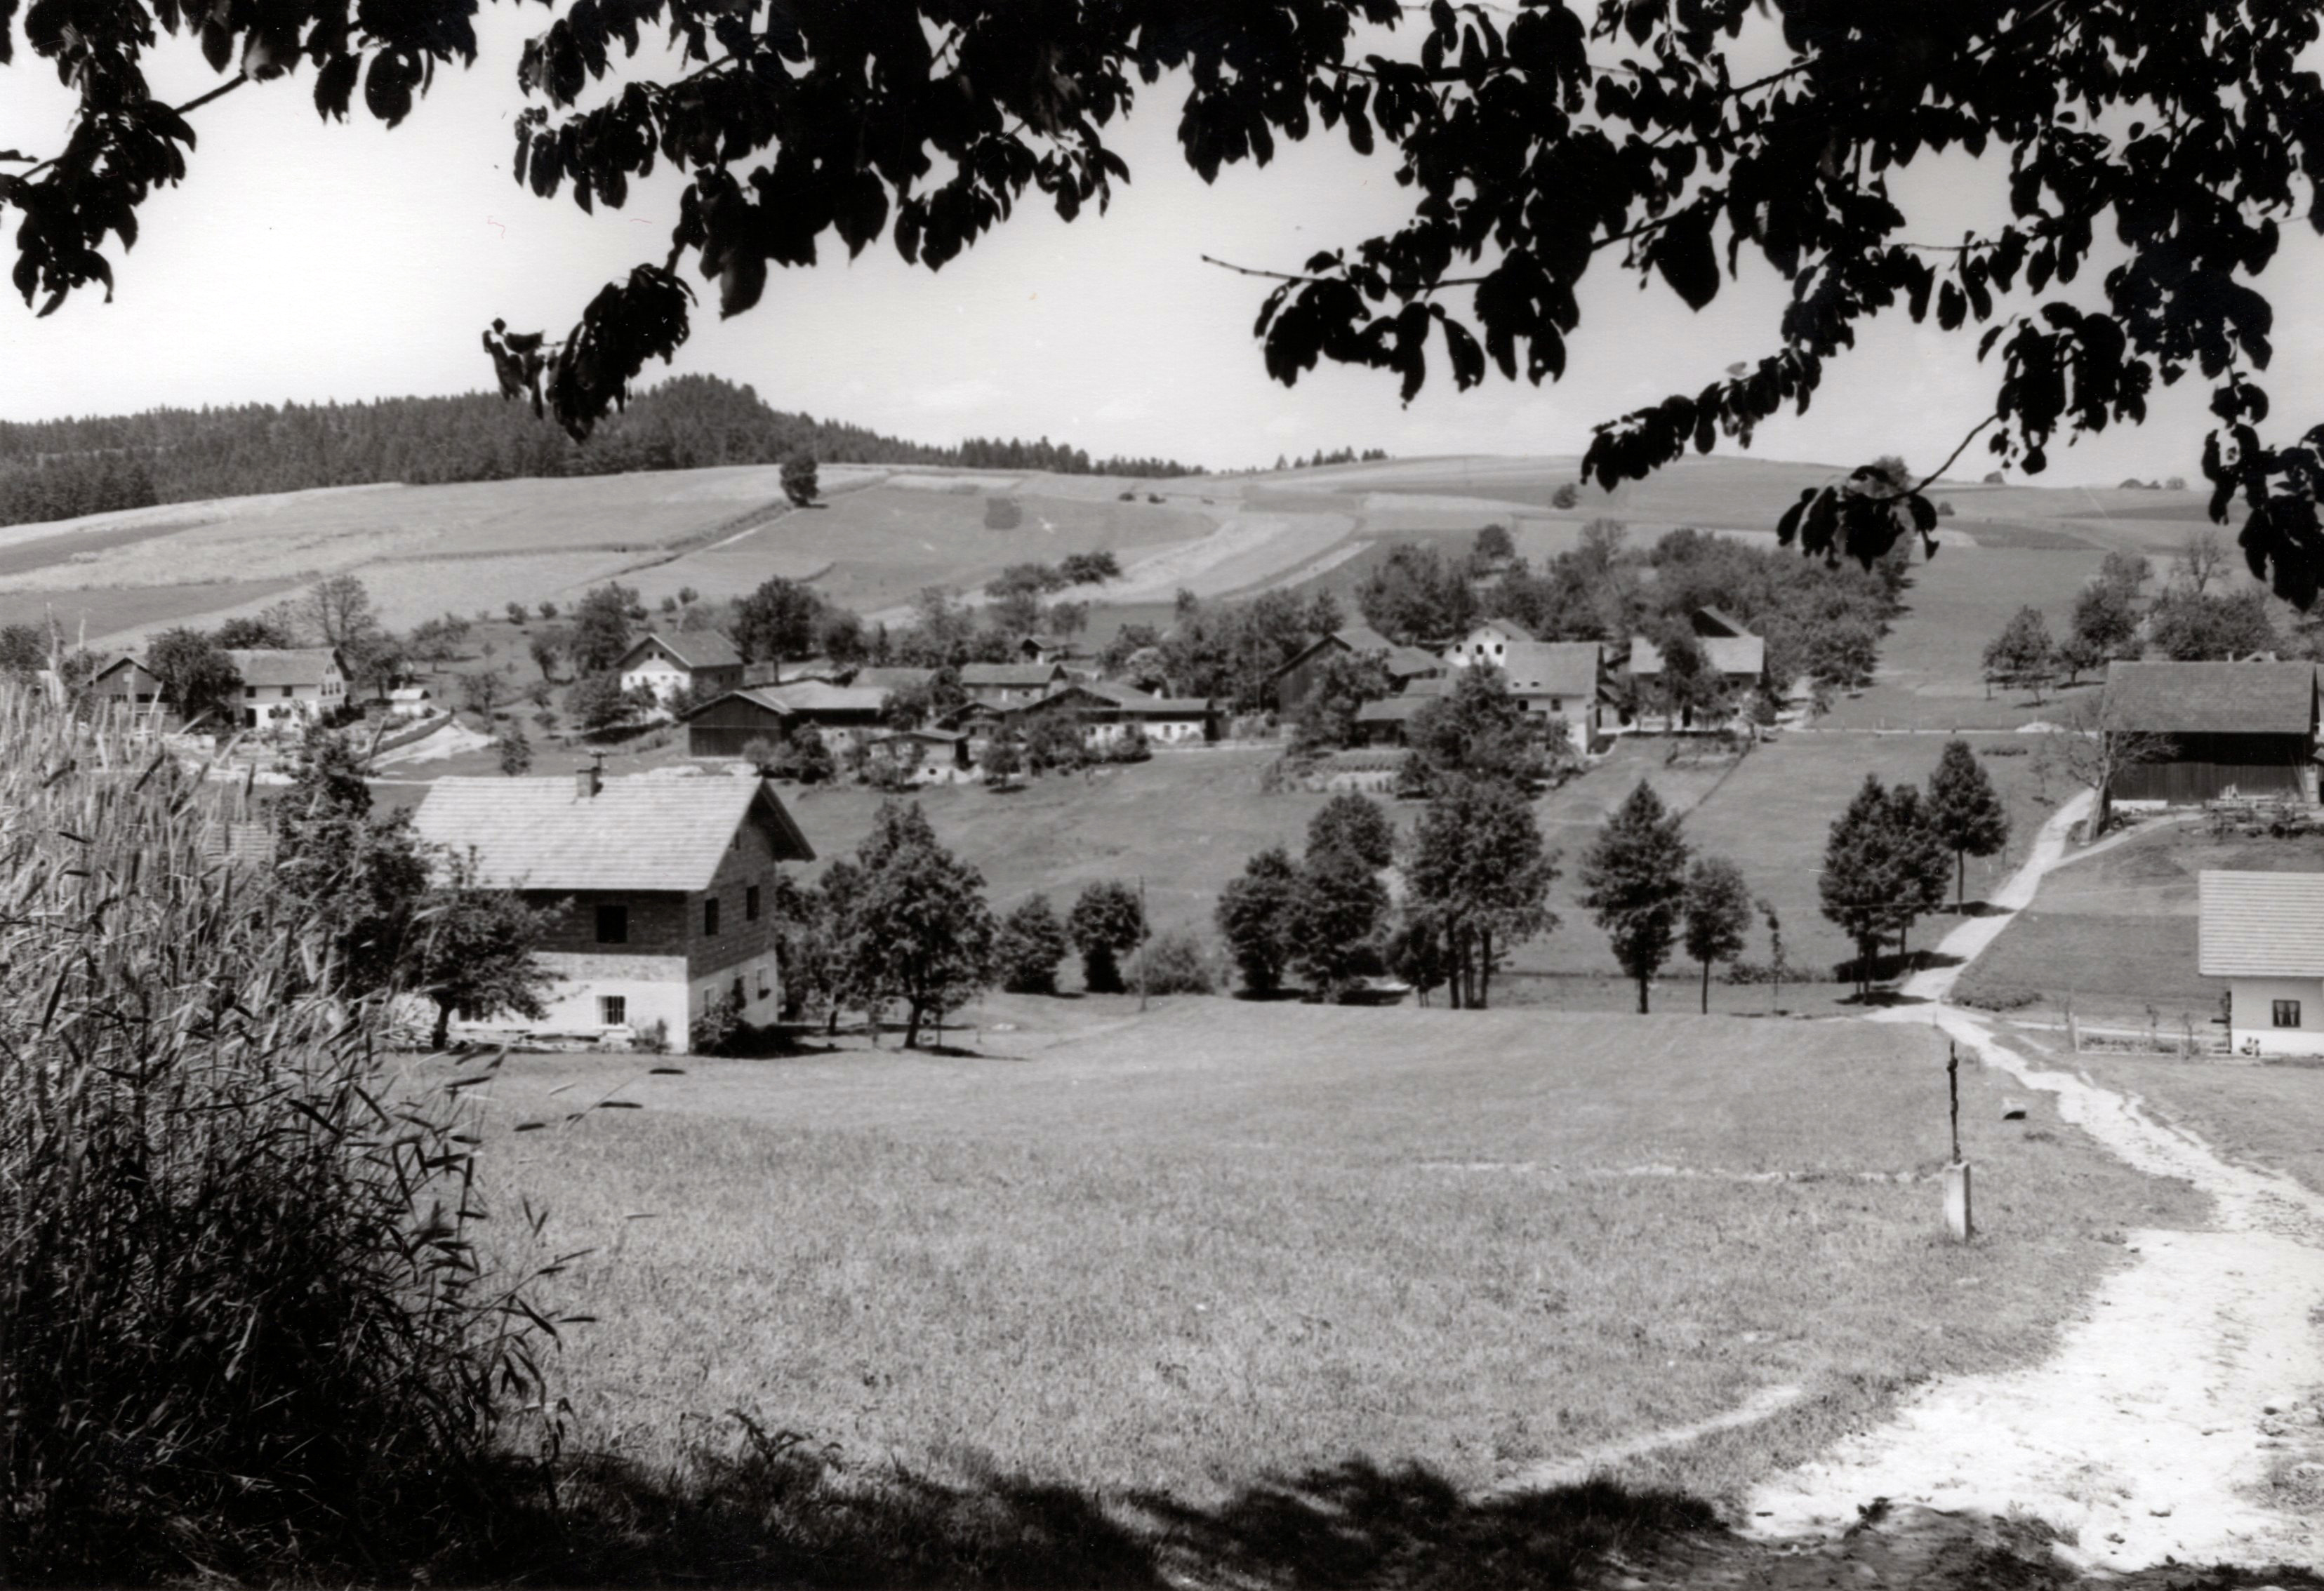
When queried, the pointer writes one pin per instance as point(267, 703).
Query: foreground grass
point(1181, 1256)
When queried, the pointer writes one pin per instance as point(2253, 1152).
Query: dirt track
point(2170, 1423)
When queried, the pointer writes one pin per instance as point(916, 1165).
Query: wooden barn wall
point(2207, 767)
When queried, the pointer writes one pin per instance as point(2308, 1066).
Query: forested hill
point(56, 469)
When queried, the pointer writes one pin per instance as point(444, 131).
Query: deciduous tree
point(601, 631)
point(473, 953)
point(1257, 916)
point(1634, 883)
point(918, 928)
point(798, 480)
point(196, 674)
point(1106, 924)
point(1356, 824)
point(1480, 874)
point(2023, 653)
point(1718, 907)
point(1031, 944)
point(1340, 907)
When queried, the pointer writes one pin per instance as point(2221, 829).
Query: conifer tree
point(1967, 811)
point(1634, 878)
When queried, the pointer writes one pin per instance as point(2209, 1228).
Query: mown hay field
point(1220, 1242)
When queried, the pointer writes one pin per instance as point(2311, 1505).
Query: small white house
point(2263, 933)
point(701, 661)
point(1488, 642)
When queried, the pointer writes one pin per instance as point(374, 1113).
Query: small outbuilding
point(2263, 933)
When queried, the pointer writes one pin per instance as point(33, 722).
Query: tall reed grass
point(243, 1330)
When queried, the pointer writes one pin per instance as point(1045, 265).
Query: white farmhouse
point(700, 660)
point(2263, 933)
point(660, 893)
point(290, 684)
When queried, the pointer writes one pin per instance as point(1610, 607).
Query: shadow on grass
point(782, 1513)
point(1978, 908)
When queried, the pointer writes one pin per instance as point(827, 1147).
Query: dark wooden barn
point(2231, 730)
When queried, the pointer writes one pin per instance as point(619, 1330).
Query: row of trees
point(56, 469)
point(2196, 616)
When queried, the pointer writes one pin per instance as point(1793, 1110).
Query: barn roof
point(1731, 655)
point(891, 678)
point(2212, 698)
point(2262, 925)
point(634, 833)
point(284, 665)
point(817, 695)
point(696, 648)
point(1552, 668)
point(1009, 674)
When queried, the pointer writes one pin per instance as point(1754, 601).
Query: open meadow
point(1223, 1244)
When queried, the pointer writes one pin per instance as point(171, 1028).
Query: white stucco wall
point(2251, 1008)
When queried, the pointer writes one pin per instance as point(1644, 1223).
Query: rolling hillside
point(887, 532)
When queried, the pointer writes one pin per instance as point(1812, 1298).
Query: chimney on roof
point(587, 781)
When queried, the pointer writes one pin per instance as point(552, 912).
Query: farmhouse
point(657, 889)
point(1557, 682)
point(845, 715)
point(926, 756)
point(1005, 685)
point(2227, 729)
point(700, 660)
point(1108, 711)
point(1738, 657)
point(1488, 642)
point(1295, 681)
point(283, 685)
point(2263, 933)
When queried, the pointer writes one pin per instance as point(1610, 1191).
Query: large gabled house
point(1738, 657)
point(1489, 641)
point(287, 685)
point(2225, 729)
point(1007, 685)
point(1558, 683)
point(2263, 933)
point(701, 661)
point(658, 892)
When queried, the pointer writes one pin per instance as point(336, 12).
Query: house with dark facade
point(126, 683)
point(844, 715)
point(1295, 681)
point(658, 891)
point(2226, 730)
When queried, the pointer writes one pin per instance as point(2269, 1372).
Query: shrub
point(247, 1334)
point(1997, 997)
point(1176, 962)
point(2001, 751)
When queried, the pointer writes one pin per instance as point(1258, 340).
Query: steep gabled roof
point(2262, 925)
point(2212, 698)
point(1730, 655)
point(1507, 629)
point(695, 648)
point(1552, 668)
point(891, 678)
point(284, 665)
point(1131, 699)
point(1713, 621)
point(634, 833)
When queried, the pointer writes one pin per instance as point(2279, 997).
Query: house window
point(287, 691)
point(2287, 1013)
point(751, 904)
point(766, 982)
point(612, 1010)
point(613, 924)
point(250, 693)
point(710, 916)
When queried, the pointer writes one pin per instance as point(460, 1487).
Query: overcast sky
point(347, 262)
